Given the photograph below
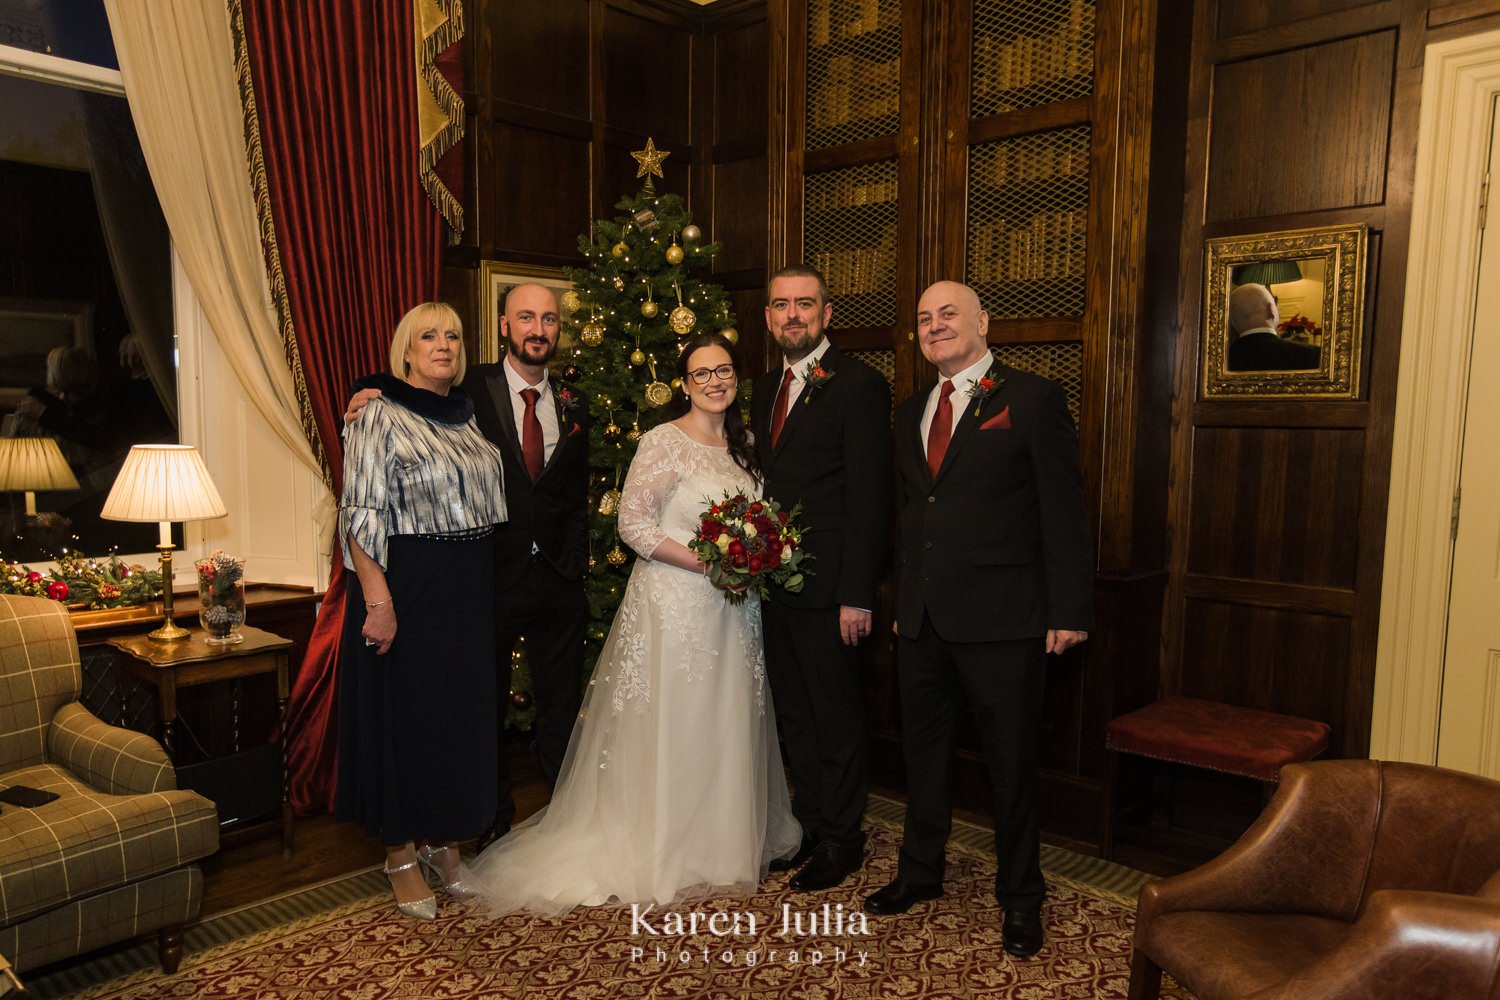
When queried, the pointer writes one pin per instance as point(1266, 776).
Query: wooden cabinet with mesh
point(1004, 143)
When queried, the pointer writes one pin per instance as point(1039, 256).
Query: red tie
point(531, 435)
point(941, 429)
point(778, 412)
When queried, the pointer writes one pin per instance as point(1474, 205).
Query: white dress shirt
point(961, 385)
point(546, 409)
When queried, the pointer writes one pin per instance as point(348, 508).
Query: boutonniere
point(569, 399)
point(981, 389)
point(816, 376)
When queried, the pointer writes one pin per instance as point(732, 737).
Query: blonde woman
point(422, 495)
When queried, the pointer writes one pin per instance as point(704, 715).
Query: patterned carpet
point(345, 941)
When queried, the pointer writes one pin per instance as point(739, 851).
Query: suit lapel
point(807, 399)
point(911, 437)
point(499, 387)
point(564, 430)
point(967, 421)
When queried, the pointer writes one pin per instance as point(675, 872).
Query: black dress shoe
point(828, 866)
point(497, 829)
point(1022, 932)
point(900, 896)
point(797, 858)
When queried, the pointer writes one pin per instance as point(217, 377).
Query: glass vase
point(221, 611)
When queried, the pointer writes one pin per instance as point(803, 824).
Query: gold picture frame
point(498, 277)
point(1283, 314)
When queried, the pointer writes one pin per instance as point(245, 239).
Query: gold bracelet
point(377, 603)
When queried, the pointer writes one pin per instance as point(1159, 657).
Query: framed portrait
point(496, 278)
point(1283, 314)
point(30, 329)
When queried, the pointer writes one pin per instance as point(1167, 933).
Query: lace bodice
point(671, 481)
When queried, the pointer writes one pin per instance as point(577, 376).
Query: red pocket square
point(578, 429)
point(1000, 420)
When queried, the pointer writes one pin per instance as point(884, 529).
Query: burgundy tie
point(941, 430)
point(778, 412)
point(531, 435)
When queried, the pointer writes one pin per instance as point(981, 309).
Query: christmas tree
point(634, 303)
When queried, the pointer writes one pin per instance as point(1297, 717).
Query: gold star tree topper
point(650, 160)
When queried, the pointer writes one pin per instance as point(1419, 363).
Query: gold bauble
point(648, 309)
point(611, 431)
point(615, 557)
point(592, 334)
point(674, 254)
point(609, 503)
point(619, 283)
point(620, 249)
point(593, 562)
point(677, 383)
point(637, 357)
point(658, 394)
point(730, 334)
point(691, 234)
point(570, 301)
point(634, 434)
point(682, 320)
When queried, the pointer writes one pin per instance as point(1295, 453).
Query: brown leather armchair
point(1362, 879)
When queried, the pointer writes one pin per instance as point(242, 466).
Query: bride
point(672, 785)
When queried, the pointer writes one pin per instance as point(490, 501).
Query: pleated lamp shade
point(34, 463)
point(163, 482)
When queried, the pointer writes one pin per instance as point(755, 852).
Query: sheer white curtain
point(177, 60)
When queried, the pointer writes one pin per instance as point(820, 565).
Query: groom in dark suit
point(541, 552)
point(995, 571)
point(820, 420)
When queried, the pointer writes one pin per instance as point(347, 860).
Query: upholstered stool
point(1208, 734)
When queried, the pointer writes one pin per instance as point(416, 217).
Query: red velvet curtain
point(359, 244)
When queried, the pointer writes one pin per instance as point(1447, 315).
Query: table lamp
point(28, 464)
point(164, 483)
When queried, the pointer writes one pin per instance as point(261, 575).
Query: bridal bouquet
point(748, 545)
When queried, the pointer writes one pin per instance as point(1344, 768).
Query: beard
point(532, 350)
point(796, 341)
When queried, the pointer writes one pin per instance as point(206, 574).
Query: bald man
point(1256, 346)
point(542, 553)
point(995, 571)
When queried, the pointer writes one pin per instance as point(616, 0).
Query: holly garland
point(107, 582)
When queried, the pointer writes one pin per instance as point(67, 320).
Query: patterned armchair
point(111, 858)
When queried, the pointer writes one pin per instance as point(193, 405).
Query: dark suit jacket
point(997, 547)
point(553, 511)
point(1266, 352)
point(834, 458)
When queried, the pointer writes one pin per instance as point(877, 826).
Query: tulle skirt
point(672, 787)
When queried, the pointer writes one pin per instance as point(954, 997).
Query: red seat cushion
point(1220, 737)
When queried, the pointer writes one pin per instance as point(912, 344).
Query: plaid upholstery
point(38, 675)
point(118, 915)
point(111, 857)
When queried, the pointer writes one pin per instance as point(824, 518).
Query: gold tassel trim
point(433, 39)
point(256, 161)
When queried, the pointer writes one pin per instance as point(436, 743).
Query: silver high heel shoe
point(421, 909)
point(458, 888)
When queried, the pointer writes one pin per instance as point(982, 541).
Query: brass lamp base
point(170, 631)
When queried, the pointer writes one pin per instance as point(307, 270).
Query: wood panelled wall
point(1301, 113)
point(558, 93)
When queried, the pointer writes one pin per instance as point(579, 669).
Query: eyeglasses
point(700, 376)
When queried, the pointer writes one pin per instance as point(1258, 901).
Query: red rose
point(736, 548)
point(738, 559)
point(757, 563)
point(757, 507)
point(57, 590)
point(783, 516)
point(775, 561)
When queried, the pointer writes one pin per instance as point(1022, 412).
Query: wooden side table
point(169, 666)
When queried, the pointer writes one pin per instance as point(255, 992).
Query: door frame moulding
point(1460, 82)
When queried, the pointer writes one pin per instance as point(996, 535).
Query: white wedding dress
point(672, 786)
